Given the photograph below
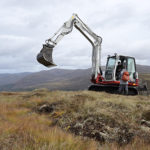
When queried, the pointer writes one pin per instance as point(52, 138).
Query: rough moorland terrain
point(82, 120)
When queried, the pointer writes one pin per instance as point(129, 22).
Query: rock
point(46, 108)
point(99, 137)
point(146, 123)
point(78, 126)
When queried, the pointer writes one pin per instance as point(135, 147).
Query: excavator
point(102, 81)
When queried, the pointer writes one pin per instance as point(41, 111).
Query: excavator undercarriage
point(113, 89)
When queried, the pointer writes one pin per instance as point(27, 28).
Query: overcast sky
point(124, 26)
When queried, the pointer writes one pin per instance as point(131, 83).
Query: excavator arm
point(45, 55)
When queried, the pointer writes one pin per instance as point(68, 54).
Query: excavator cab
point(45, 56)
point(115, 65)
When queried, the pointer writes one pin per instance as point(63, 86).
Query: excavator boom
point(45, 55)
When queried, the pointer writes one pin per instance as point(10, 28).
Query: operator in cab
point(118, 70)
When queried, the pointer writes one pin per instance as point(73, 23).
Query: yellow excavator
point(107, 81)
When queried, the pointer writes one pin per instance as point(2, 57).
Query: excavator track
point(112, 89)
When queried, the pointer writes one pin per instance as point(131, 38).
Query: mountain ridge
point(54, 79)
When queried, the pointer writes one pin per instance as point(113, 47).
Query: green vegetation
point(83, 120)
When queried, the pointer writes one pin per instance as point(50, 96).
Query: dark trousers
point(123, 89)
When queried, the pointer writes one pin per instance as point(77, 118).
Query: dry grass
point(22, 128)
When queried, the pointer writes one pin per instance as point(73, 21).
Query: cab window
point(131, 65)
point(131, 68)
point(111, 63)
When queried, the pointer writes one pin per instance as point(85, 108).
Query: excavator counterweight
point(45, 56)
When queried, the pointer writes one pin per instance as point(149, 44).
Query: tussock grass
point(22, 127)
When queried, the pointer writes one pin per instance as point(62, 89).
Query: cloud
point(26, 24)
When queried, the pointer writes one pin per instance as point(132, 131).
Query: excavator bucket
point(45, 56)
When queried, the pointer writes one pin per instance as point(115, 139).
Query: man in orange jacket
point(123, 88)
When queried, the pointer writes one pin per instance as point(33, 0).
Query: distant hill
point(143, 69)
point(8, 78)
point(55, 79)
